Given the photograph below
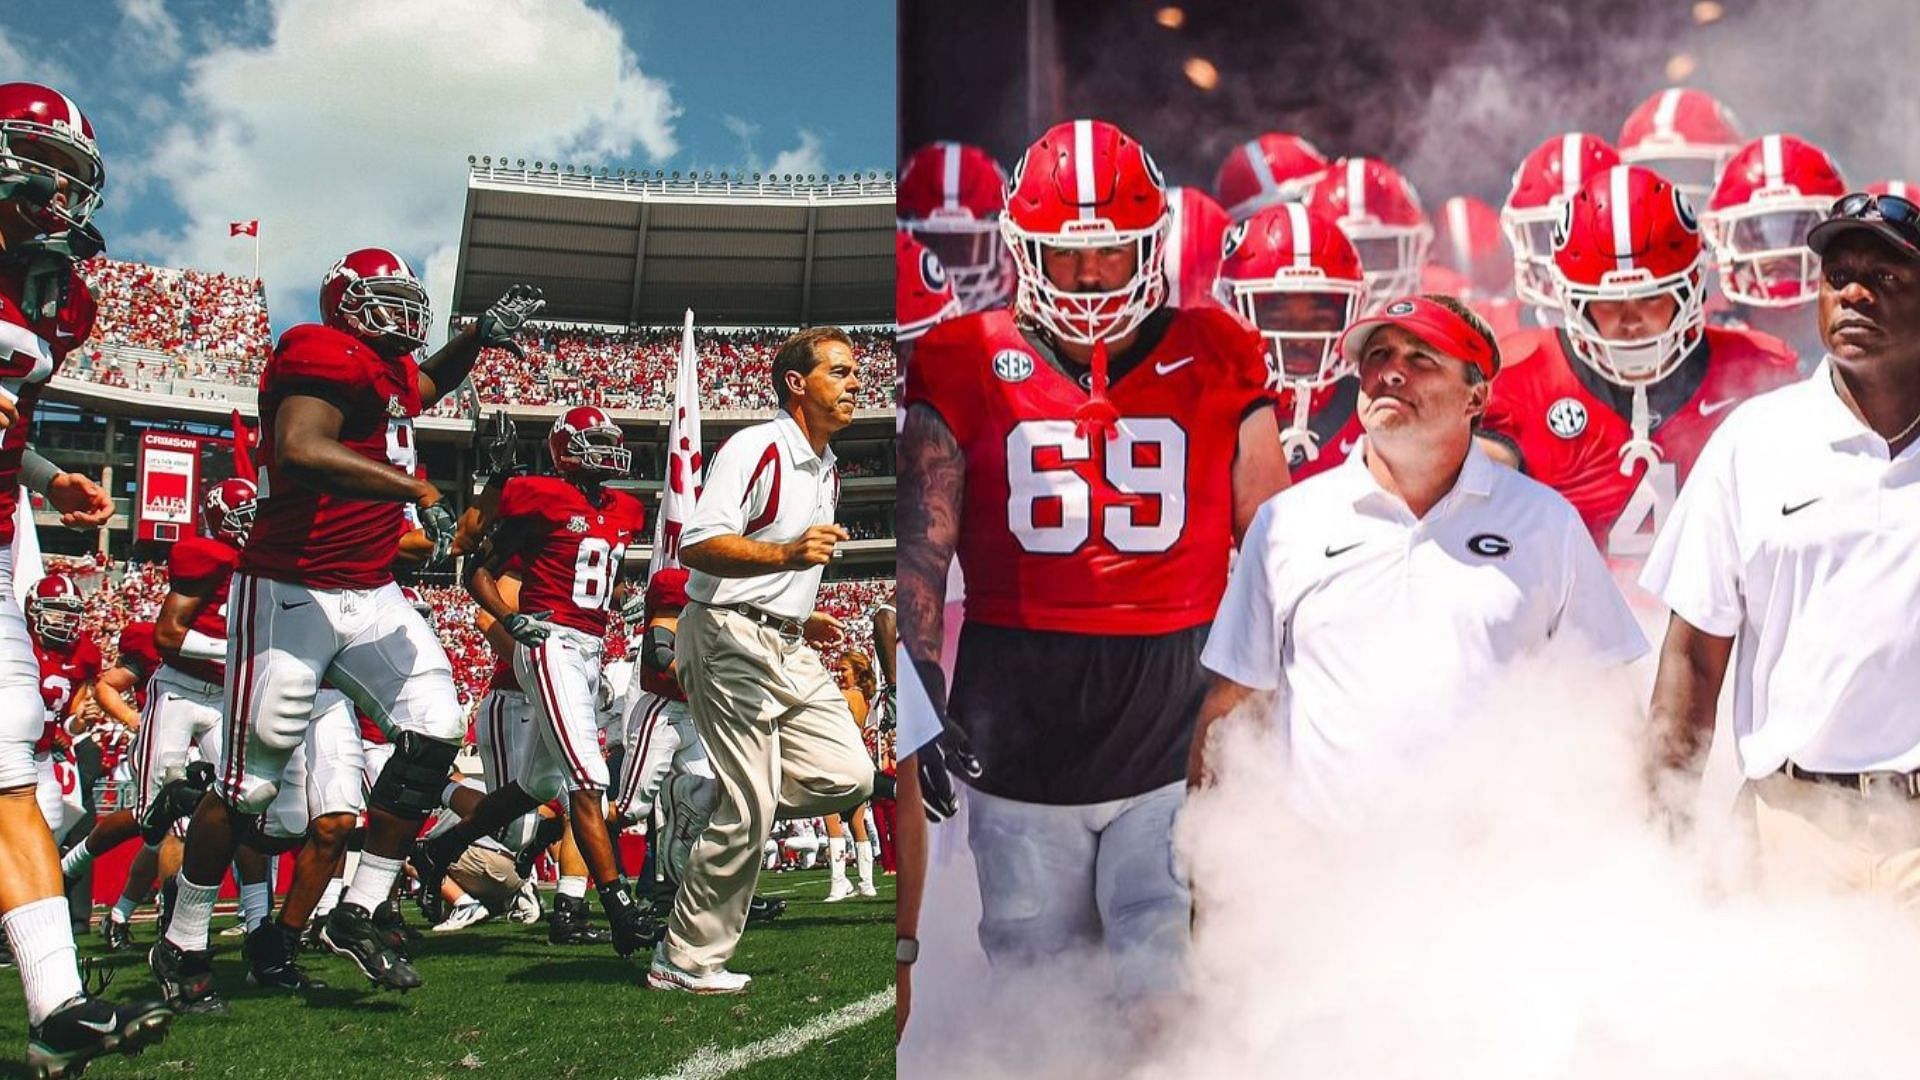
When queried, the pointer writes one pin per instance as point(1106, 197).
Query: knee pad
point(411, 783)
point(253, 796)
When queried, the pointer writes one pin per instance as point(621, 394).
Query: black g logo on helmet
point(1683, 209)
point(1563, 225)
point(933, 273)
point(1231, 243)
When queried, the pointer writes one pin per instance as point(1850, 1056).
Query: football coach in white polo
point(1797, 539)
point(775, 724)
point(1381, 600)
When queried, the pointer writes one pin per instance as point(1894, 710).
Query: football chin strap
point(1640, 446)
point(1297, 436)
point(416, 774)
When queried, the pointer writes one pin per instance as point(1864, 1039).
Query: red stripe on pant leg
point(637, 756)
point(147, 716)
point(552, 699)
point(497, 724)
point(240, 695)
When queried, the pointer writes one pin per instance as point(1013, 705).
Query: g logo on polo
point(1012, 365)
point(1489, 545)
point(1400, 307)
point(1567, 418)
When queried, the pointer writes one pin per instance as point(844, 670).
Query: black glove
point(500, 322)
point(438, 523)
point(495, 446)
point(955, 748)
point(527, 629)
point(936, 786)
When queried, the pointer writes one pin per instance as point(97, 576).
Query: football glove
point(527, 629)
point(438, 523)
point(500, 322)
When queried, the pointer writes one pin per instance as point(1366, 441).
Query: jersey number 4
point(1050, 505)
point(1646, 510)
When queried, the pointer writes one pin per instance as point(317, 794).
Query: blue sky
point(345, 123)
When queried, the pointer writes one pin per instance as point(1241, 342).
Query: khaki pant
point(780, 737)
point(1814, 837)
point(487, 875)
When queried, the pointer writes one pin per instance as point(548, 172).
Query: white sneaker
point(463, 915)
point(867, 889)
point(236, 930)
point(526, 908)
point(841, 890)
point(664, 976)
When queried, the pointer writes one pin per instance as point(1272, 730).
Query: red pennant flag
point(244, 228)
point(1097, 412)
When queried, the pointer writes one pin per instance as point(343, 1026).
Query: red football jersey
point(1571, 439)
point(370, 732)
point(1334, 415)
point(206, 565)
point(63, 671)
point(31, 350)
point(327, 541)
point(503, 676)
point(573, 556)
point(139, 655)
point(1094, 535)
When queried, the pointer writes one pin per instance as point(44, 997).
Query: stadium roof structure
point(638, 249)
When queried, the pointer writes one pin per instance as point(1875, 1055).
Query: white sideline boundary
point(709, 1063)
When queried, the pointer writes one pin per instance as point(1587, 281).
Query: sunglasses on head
point(1901, 213)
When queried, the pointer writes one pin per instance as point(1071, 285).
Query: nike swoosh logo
point(1168, 369)
point(101, 1026)
point(1346, 447)
point(1785, 509)
point(285, 606)
point(1708, 408)
point(1334, 552)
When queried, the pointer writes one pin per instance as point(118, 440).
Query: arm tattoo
point(932, 484)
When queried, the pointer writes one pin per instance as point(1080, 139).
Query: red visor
point(1442, 330)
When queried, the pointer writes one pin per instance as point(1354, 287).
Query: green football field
point(500, 1002)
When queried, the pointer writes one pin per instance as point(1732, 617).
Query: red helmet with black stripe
point(1296, 277)
point(374, 295)
point(922, 294)
point(227, 510)
point(1683, 134)
point(585, 442)
point(1087, 185)
point(1275, 167)
point(44, 135)
point(56, 611)
point(950, 199)
point(1196, 229)
point(1547, 177)
point(1380, 212)
point(1771, 194)
point(1630, 234)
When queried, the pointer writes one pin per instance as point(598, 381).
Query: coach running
point(1384, 598)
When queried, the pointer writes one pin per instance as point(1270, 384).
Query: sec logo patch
point(1567, 418)
point(1012, 365)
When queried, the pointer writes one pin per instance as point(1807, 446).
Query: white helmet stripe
point(1570, 167)
point(950, 175)
point(1085, 192)
point(73, 113)
point(1622, 218)
point(1898, 188)
point(1457, 225)
point(1298, 224)
point(395, 256)
point(1357, 187)
point(1770, 160)
point(1176, 241)
point(1258, 163)
point(1664, 112)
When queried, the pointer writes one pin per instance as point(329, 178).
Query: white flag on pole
point(684, 463)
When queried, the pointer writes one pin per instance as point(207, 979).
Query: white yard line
point(710, 1063)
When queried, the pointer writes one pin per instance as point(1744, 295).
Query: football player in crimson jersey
point(569, 533)
point(1091, 461)
point(1612, 409)
point(51, 178)
point(69, 664)
point(313, 599)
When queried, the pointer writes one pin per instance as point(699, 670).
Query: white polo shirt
point(1382, 633)
point(765, 484)
point(1799, 535)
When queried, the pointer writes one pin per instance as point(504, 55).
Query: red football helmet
point(419, 602)
point(1276, 167)
point(56, 610)
point(374, 295)
point(43, 133)
point(922, 295)
point(1904, 189)
point(1293, 274)
point(227, 510)
point(1629, 234)
point(666, 588)
point(1467, 241)
point(1196, 228)
point(1770, 195)
point(1380, 212)
point(1087, 185)
point(950, 198)
point(585, 440)
point(1684, 135)
point(1547, 177)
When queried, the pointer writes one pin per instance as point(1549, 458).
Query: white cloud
point(151, 36)
point(802, 159)
point(745, 131)
point(352, 124)
point(22, 62)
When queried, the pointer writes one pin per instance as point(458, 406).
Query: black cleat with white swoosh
point(86, 1027)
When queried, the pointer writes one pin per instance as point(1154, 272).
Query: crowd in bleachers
point(198, 325)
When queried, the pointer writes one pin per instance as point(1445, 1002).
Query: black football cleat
point(87, 1027)
point(430, 864)
point(351, 933)
point(568, 924)
point(175, 800)
point(118, 935)
point(632, 928)
point(762, 910)
point(273, 959)
point(392, 924)
point(186, 979)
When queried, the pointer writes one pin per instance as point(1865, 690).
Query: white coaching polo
point(1798, 535)
point(1382, 632)
point(765, 484)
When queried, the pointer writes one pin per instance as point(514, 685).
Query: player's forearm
point(731, 555)
point(927, 525)
point(327, 465)
point(447, 368)
point(115, 705)
point(910, 834)
point(1686, 691)
point(414, 549)
point(886, 639)
point(484, 587)
point(37, 474)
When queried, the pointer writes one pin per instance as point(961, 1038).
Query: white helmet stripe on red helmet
point(1357, 187)
point(1622, 220)
point(1898, 189)
point(1570, 168)
point(1302, 235)
point(1176, 231)
point(1085, 192)
point(73, 114)
point(1770, 160)
point(950, 175)
point(1664, 113)
point(1257, 161)
point(1457, 231)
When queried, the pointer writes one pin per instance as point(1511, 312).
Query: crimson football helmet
point(950, 198)
point(1904, 189)
point(1276, 167)
point(44, 134)
point(1293, 274)
point(227, 510)
point(922, 294)
point(1684, 135)
point(1770, 195)
point(1196, 228)
point(56, 610)
point(1547, 177)
point(1087, 185)
point(419, 602)
point(1467, 240)
point(1630, 234)
point(374, 295)
point(1380, 212)
point(585, 440)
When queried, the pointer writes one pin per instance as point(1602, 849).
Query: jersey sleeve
point(194, 563)
point(516, 498)
point(318, 362)
point(938, 376)
point(636, 514)
point(723, 505)
point(1243, 356)
point(77, 315)
point(1694, 567)
point(87, 658)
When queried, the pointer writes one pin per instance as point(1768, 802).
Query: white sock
point(863, 860)
point(372, 880)
point(41, 934)
point(329, 897)
point(575, 887)
point(256, 900)
point(75, 862)
point(837, 860)
point(192, 908)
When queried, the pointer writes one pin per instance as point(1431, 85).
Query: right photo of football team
point(1407, 538)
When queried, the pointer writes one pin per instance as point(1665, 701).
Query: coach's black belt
point(1904, 784)
point(787, 627)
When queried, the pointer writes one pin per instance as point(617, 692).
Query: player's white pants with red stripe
point(659, 737)
point(326, 776)
point(22, 713)
point(286, 639)
point(503, 737)
point(182, 712)
point(561, 677)
point(58, 792)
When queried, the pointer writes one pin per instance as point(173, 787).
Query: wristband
point(198, 646)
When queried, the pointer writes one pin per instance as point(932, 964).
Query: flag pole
point(256, 250)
